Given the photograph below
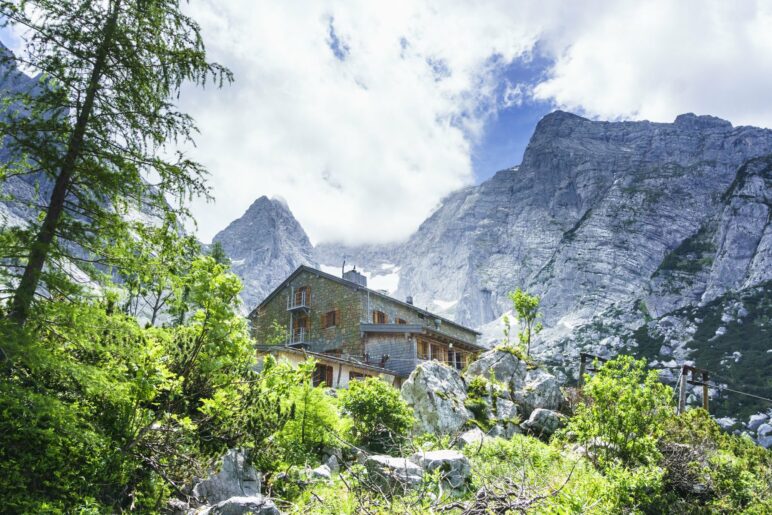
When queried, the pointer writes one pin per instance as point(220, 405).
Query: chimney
point(409, 299)
point(355, 277)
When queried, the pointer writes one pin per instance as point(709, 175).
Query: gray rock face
point(543, 422)
point(474, 437)
point(505, 367)
point(265, 245)
point(393, 475)
point(234, 479)
point(436, 393)
point(540, 390)
point(454, 467)
point(530, 389)
point(255, 505)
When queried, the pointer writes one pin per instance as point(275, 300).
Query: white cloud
point(655, 60)
point(363, 147)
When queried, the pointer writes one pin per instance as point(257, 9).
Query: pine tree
point(97, 127)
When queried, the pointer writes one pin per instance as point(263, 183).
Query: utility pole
point(685, 370)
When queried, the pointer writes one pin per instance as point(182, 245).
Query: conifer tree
point(97, 128)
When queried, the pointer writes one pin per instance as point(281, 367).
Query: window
point(379, 317)
point(302, 296)
point(323, 375)
point(438, 353)
point(460, 360)
point(357, 376)
point(331, 319)
point(401, 321)
point(423, 350)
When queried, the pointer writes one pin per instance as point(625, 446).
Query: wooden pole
point(582, 360)
point(705, 390)
point(682, 389)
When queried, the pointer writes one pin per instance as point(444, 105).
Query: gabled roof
point(354, 286)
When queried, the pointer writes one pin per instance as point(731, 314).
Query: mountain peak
point(693, 121)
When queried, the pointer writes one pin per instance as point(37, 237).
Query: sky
point(364, 115)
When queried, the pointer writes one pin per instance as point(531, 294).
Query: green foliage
point(380, 418)
point(314, 422)
point(624, 414)
point(735, 473)
point(122, 414)
point(527, 308)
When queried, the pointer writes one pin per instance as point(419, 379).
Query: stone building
point(341, 317)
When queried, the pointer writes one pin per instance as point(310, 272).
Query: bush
point(734, 474)
point(380, 418)
point(624, 414)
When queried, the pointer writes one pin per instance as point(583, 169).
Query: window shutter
point(329, 375)
point(323, 321)
point(337, 317)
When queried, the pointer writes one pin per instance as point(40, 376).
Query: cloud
point(363, 115)
point(655, 60)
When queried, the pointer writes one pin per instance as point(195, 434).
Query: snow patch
point(445, 304)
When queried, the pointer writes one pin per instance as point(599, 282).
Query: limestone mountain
point(265, 246)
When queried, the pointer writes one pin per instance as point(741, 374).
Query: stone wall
point(325, 296)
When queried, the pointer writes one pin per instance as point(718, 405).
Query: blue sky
point(507, 133)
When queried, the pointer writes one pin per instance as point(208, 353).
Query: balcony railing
point(298, 300)
point(298, 335)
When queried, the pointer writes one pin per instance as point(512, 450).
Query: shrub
point(624, 414)
point(380, 418)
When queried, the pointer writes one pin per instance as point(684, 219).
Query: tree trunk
point(25, 292)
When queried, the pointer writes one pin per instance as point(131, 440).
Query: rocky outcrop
point(455, 468)
point(529, 388)
point(265, 246)
point(393, 475)
point(543, 422)
point(505, 367)
point(436, 393)
point(253, 505)
point(235, 478)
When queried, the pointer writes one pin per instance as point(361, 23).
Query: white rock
point(756, 421)
point(436, 393)
point(543, 422)
point(764, 430)
point(392, 474)
point(474, 437)
point(454, 466)
point(234, 479)
point(322, 472)
point(255, 505)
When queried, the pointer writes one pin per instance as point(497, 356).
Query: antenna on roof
point(343, 267)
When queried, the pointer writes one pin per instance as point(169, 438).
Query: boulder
point(322, 472)
point(540, 390)
point(235, 479)
point(506, 367)
point(474, 437)
point(436, 393)
point(333, 464)
point(765, 441)
point(756, 421)
point(254, 504)
point(393, 475)
point(543, 422)
point(453, 466)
